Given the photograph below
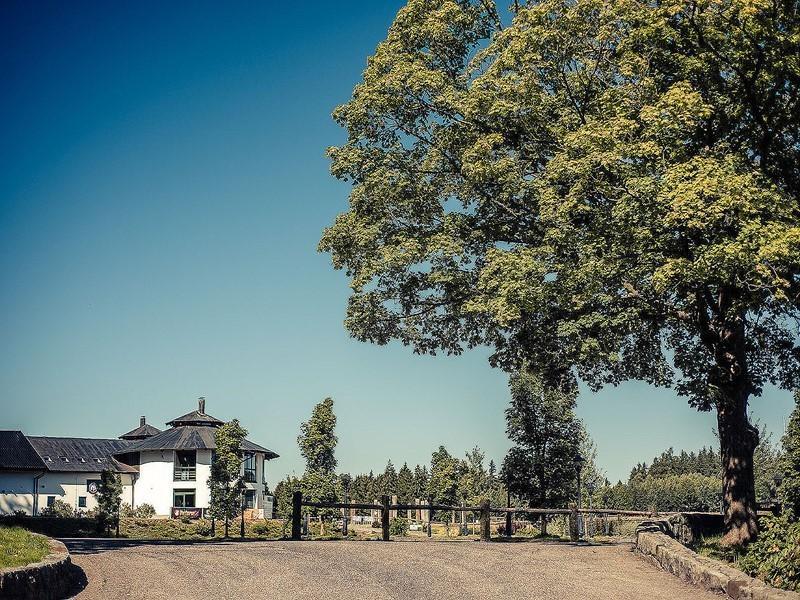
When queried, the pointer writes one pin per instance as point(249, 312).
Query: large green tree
point(541, 423)
point(109, 500)
point(790, 464)
point(606, 190)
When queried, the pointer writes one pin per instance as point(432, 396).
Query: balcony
point(185, 473)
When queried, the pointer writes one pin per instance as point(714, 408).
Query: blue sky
point(163, 186)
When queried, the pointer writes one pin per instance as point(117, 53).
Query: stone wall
point(50, 579)
point(713, 575)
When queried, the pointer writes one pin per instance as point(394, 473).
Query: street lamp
point(578, 462)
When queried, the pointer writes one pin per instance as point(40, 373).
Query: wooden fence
point(485, 510)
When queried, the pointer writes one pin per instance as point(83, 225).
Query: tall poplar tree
point(317, 442)
point(607, 190)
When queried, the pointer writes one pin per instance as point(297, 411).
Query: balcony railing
point(185, 473)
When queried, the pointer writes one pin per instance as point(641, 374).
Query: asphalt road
point(372, 570)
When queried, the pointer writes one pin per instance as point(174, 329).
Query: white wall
point(70, 486)
point(156, 481)
point(16, 492)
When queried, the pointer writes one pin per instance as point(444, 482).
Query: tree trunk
point(738, 440)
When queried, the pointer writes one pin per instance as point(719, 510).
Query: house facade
point(168, 469)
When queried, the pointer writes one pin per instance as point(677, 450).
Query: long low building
point(168, 469)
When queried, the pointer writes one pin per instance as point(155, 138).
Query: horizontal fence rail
point(485, 510)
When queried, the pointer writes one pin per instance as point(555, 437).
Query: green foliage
point(59, 509)
point(687, 492)
point(283, 496)
point(317, 439)
point(790, 464)
point(601, 189)
point(446, 472)
point(775, 556)
point(143, 511)
point(398, 526)
point(19, 547)
point(109, 499)
point(386, 482)
point(406, 488)
point(541, 423)
point(225, 483)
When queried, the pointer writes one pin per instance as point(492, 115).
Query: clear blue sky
point(163, 186)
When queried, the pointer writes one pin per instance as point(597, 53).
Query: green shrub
point(398, 526)
point(775, 556)
point(59, 509)
point(143, 511)
point(266, 529)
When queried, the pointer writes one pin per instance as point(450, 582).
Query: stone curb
point(707, 573)
point(49, 579)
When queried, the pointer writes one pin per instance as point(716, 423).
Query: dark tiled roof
point(141, 432)
point(81, 455)
point(16, 452)
point(189, 437)
point(195, 418)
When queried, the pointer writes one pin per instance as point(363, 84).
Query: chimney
point(201, 405)
point(142, 421)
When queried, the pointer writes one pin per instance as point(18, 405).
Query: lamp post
point(345, 510)
point(578, 461)
point(590, 487)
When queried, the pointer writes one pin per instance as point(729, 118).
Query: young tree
point(317, 441)
point(109, 500)
point(608, 190)
point(225, 483)
point(790, 487)
point(445, 474)
point(386, 483)
point(541, 423)
point(405, 484)
point(474, 482)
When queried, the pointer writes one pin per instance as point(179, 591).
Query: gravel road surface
point(371, 570)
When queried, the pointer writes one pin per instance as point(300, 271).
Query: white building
point(167, 469)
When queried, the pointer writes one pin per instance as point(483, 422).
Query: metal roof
point(196, 418)
point(144, 430)
point(81, 455)
point(17, 453)
point(189, 437)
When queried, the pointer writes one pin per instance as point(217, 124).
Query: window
point(81, 501)
point(183, 498)
point(249, 498)
point(250, 467)
point(185, 465)
point(51, 500)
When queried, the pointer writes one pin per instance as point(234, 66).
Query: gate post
point(385, 518)
point(430, 516)
point(486, 532)
point(574, 533)
point(297, 506)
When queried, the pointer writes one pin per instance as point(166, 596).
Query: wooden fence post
point(573, 523)
point(385, 518)
point(297, 507)
point(486, 515)
point(509, 524)
point(430, 516)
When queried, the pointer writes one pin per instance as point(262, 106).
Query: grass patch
point(19, 547)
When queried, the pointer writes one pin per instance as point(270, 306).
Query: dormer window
point(64, 458)
point(98, 461)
